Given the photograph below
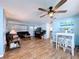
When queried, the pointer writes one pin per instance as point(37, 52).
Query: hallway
point(37, 49)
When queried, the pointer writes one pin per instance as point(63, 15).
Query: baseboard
point(1, 56)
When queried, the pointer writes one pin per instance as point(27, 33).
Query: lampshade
point(13, 32)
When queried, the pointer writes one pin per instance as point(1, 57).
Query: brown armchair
point(12, 42)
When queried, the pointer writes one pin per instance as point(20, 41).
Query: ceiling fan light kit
point(50, 14)
point(52, 10)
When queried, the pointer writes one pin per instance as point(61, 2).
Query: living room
point(40, 29)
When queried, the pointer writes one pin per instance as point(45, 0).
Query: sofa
point(23, 34)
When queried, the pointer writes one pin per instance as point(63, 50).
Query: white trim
point(1, 55)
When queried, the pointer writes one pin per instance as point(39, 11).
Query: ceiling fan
point(52, 10)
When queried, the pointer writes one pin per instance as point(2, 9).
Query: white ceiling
point(27, 10)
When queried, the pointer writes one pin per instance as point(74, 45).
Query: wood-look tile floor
point(38, 49)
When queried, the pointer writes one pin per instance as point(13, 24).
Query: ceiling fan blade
point(41, 9)
point(59, 4)
point(43, 15)
point(61, 11)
